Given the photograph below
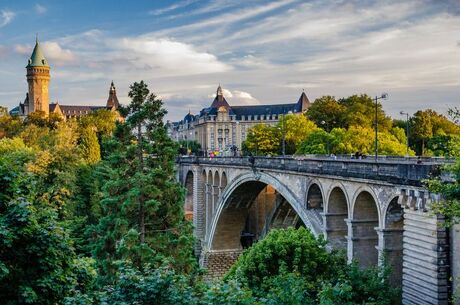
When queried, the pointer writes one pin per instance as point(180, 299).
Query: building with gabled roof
point(221, 126)
point(37, 99)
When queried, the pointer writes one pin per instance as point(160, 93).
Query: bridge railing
point(407, 171)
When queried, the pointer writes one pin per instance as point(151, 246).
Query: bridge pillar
point(336, 229)
point(426, 252)
point(199, 209)
point(209, 211)
point(362, 242)
point(390, 249)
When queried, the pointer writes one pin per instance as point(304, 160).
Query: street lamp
point(383, 96)
point(324, 123)
point(407, 131)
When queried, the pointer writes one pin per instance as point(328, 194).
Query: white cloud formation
point(40, 9)
point(237, 97)
point(57, 54)
point(6, 17)
point(54, 53)
point(171, 8)
point(170, 57)
point(23, 49)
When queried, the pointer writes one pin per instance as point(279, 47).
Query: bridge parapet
point(398, 171)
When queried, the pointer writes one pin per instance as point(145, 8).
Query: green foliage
point(286, 251)
point(327, 113)
point(193, 147)
point(89, 144)
point(10, 126)
point(357, 286)
point(360, 111)
point(262, 139)
point(317, 142)
point(37, 261)
point(295, 128)
point(230, 293)
point(293, 267)
point(159, 286)
point(142, 217)
point(428, 130)
point(342, 141)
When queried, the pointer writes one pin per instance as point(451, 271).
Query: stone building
point(37, 98)
point(221, 126)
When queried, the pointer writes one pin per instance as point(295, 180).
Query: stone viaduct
point(372, 210)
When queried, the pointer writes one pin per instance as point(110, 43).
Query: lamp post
point(324, 123)
point(283, 136)
point(407, 131)
point(383, 96)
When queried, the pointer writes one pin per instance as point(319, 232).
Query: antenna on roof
point(36, 37)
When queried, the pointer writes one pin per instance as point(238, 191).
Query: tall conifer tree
point(143, 219)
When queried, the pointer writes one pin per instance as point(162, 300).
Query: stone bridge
point(372, 210)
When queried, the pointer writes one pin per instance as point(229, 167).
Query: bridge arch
point(188, 206)
point(229, 233)
point(392, 238)
point(315, 195)
point(336, 215)
point(364, 239)
point(223, 180)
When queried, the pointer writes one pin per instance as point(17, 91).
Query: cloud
point(40, 9)
point(55, 53)
point(172, 7)
point(23, 49)
point(237, 97)
point(6, 17)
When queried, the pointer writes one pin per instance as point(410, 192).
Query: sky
point(261, 52)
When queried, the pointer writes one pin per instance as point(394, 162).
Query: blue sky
point(260, 51)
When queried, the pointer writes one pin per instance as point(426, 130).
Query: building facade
point(220, 126)
point(37, 97)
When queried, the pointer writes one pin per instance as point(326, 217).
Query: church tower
point(112, 101)
point(38, 78)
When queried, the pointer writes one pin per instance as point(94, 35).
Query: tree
point(355, 139)
point(89, 144)
point(139, 191)
point(38, 264)
point(149, 287)
point(295, 128)
point(193, 146)
point(360, 111)
point(422, 129)
point(10, 126)
point(281, 252)
point(291, 266)
point(317, 142)
point(327, 113)
point(262, 139)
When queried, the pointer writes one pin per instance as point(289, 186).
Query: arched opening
point(335, 217)
point(250, 211)
point(188, 207)
point(393, 240)
point(223, 181)
point(208, 202)
point(215, 191)
point(315, 198)
point(251, 208)
point(201, 208)
point(364, 237)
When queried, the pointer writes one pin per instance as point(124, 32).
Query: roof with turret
point(271, 109)
point(37, 59)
